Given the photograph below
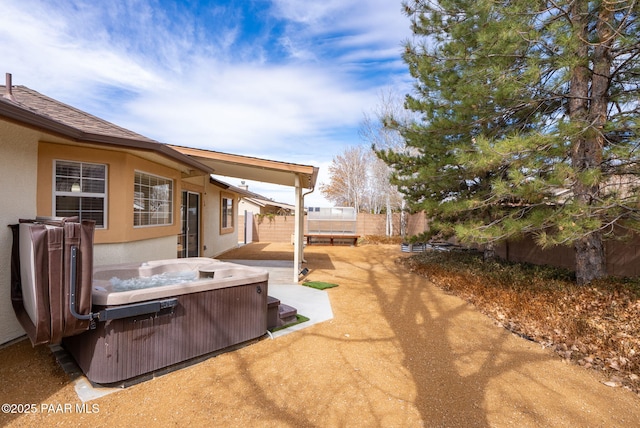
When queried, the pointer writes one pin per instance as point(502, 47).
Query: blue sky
point(288, 80)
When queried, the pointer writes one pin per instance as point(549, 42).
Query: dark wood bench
point(331, 237)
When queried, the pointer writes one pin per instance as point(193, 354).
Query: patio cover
point(287, 174)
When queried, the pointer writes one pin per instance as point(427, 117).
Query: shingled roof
point(28, 107)
point(70, 116)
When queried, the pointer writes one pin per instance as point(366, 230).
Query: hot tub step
point(272, 302)
point(279, 314)
point(286, 311)
point(287, 314)
point(272, 312)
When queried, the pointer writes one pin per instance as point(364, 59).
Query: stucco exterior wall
point(210, 219)
point(121, 168)
point(135, 252)
point(18, 182)
point(216, 241)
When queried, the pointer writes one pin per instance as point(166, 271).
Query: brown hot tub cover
point(41, 277)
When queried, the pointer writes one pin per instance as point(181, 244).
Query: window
point(81, 190)
point(226, 217)
point(153, 200)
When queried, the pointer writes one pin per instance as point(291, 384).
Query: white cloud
point(309, 13)
point(39, 45)
point(243, 107)
point(372, 27)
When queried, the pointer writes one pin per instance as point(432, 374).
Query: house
point(261, 205)
point(150, 200)
point(285, 174)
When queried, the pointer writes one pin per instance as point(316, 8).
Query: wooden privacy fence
point(623, 257)
point(280, 228)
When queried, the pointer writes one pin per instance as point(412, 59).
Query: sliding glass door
point(189, 238)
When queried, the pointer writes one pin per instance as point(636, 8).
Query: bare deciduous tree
point(358, 178)
point(348, 177)
point(374, 130)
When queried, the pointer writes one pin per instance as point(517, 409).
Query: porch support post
point(298, 233)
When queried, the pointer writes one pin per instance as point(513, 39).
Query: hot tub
point(204, 306)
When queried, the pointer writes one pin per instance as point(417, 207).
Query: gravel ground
point(398, 353)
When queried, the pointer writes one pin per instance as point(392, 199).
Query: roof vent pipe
point(8, 88)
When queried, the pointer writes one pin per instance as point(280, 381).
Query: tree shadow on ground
point(450, 376)
point(465, 369)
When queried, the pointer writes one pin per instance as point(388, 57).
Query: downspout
point(302, 227)
point(298, 255)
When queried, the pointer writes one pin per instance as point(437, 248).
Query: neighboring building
point(150, 201)
point(258, 204)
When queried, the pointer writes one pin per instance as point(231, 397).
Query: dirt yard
point(399, 352)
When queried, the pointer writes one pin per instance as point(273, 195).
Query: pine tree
point(529, 122)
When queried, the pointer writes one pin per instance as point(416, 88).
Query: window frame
point(224, 229)
point(170, 200)
point(79, 193)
